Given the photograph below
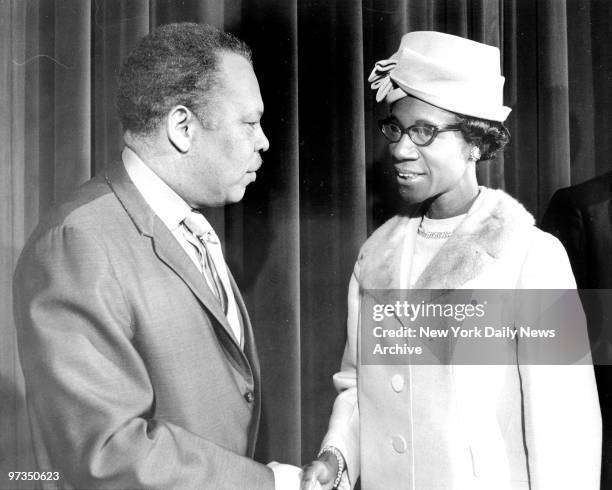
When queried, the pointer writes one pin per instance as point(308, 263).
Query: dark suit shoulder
point(586, 194)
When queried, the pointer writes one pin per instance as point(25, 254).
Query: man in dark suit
point(581, 217)
point(139, 358)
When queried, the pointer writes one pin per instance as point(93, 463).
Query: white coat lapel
point(380, 257)
point(495, 225)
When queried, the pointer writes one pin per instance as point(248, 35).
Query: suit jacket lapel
point(250, 351)
point(172, 254)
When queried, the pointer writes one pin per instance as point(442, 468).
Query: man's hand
point(321, 472)
point(286, 476)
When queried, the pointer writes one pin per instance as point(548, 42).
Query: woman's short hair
point(176, 64)
point(490, 136)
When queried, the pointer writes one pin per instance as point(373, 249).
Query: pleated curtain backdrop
point(325, 183)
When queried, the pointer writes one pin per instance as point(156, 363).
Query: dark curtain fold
point(553, 103)
point(332, 196)
point(583, 70)
point(13, 444)
point(601, 33)
point(325, 183)
point(264, 229)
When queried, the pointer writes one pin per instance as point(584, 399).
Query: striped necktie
point(202, 236)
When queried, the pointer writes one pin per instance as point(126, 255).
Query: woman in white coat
point(455, 427)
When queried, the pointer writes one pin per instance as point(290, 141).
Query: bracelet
point(339, 458)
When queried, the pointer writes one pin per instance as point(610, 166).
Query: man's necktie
point(203, 238)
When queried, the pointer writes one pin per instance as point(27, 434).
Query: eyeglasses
point(419, 134)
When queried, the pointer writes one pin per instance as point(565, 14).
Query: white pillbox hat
point(450, 72)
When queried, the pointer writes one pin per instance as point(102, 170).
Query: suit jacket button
point(249, 396)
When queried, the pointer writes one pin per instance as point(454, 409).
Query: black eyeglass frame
point(435, 130)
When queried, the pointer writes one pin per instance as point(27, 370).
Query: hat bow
point(380, 78)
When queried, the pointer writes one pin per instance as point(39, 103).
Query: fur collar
point(496, 226)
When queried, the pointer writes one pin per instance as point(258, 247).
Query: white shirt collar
point(167, 204)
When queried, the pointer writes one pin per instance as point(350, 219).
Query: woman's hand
point(323, 471)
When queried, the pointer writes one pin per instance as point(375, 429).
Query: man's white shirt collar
point(167, 204)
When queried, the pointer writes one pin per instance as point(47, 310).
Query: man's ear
point(180, 127)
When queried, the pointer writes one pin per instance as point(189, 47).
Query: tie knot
point(198, 225)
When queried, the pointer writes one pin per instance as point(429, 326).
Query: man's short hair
point(176, 64)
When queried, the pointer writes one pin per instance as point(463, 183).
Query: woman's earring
point(475, 154)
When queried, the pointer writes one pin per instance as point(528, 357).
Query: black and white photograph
point(306, 244)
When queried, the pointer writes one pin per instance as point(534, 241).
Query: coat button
point(399, 444)
point(397, 382)
point(249, 396)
